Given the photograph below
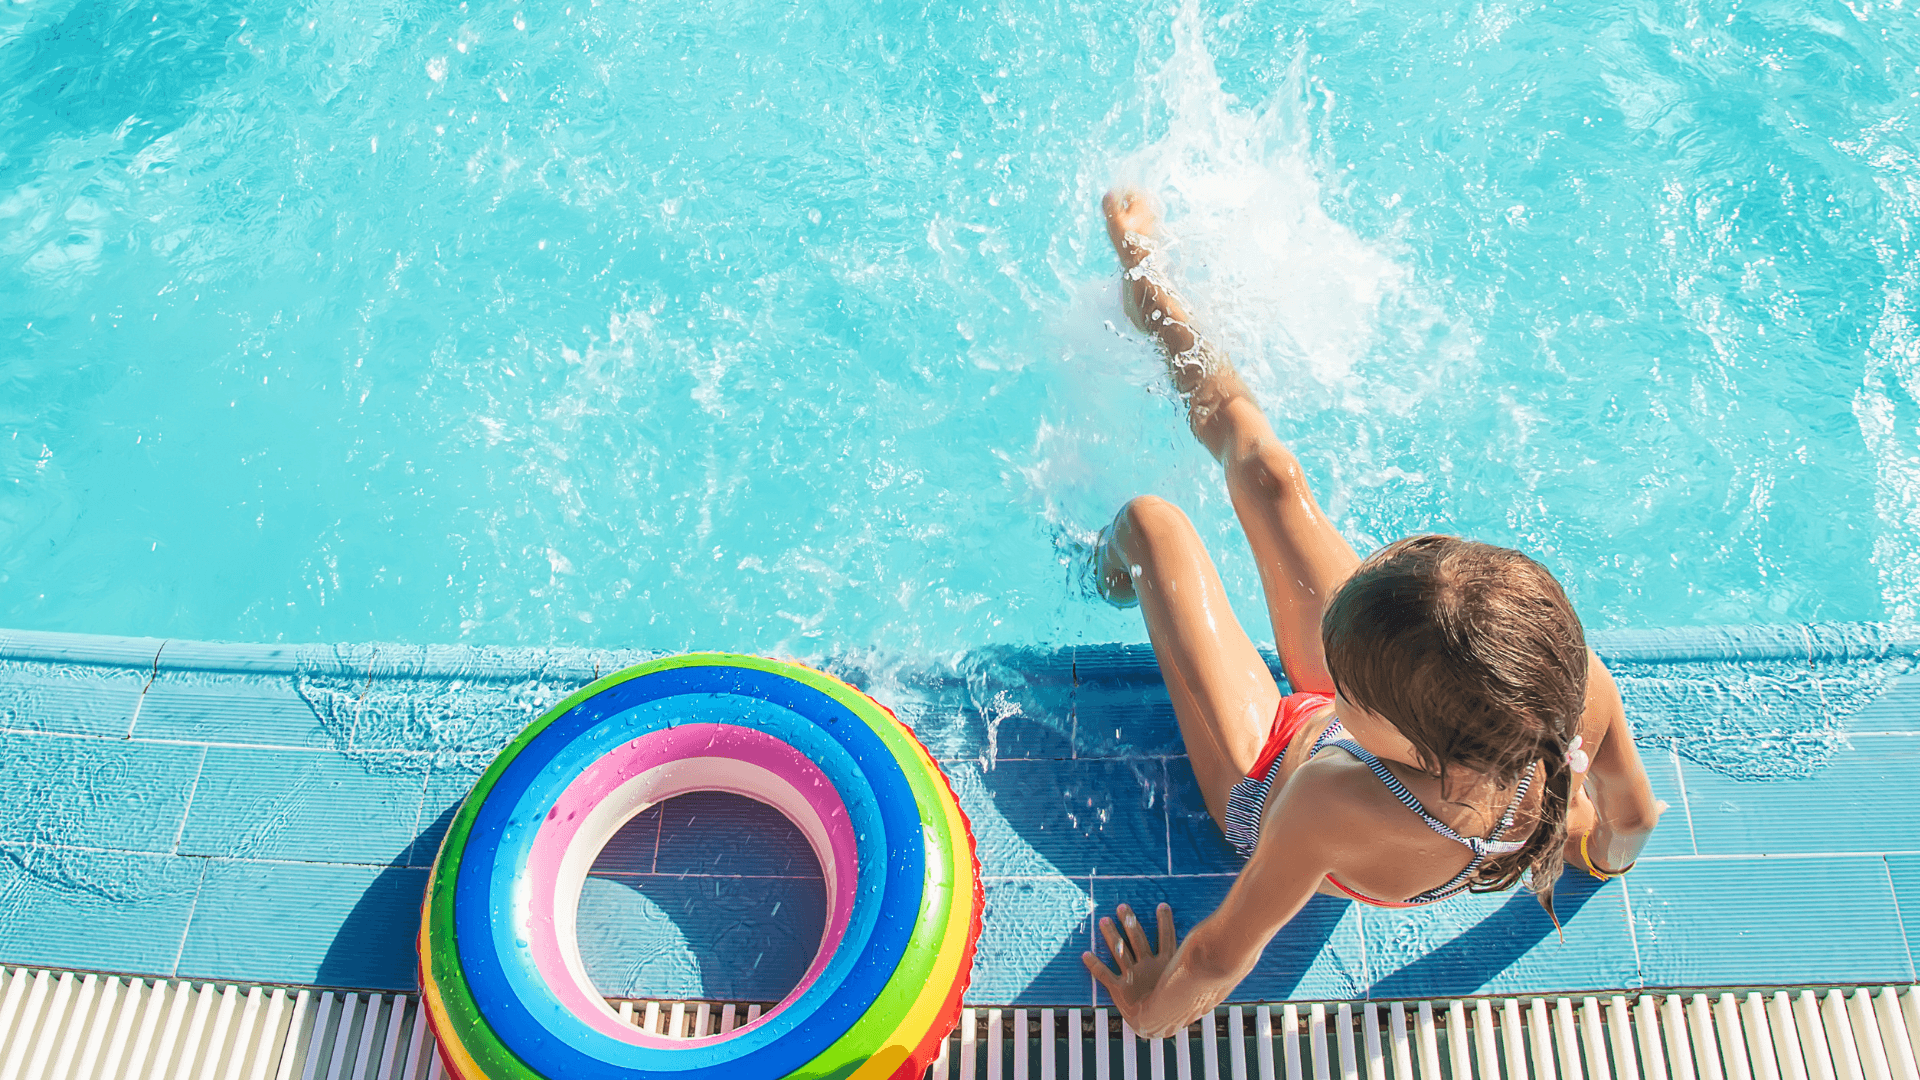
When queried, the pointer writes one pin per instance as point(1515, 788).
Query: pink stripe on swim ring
point(636, 775)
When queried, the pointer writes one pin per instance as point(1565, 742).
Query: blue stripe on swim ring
point(517, 1004)
point(498, 825)
point(508, 904)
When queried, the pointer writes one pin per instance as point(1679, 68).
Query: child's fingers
point(1166, 930)
point(1136, 934)
point(1101, 973)
point(1116, 947)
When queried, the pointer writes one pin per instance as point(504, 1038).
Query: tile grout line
point(251, 861)
point(193, 909)
point(360, 703)
point(1166, 813)
point(1209, 876)
point(1686, 804)
point(660, 826)
point(152, 674)
point(1093, 935)
point(419, 811)
point(187, 810)
point(150, 741)
point(1633, 932)
point(1366, 961)
point(616, 875)
point(1899, 919)
point(1073, 705)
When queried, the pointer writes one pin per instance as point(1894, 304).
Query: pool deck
point(267, 813)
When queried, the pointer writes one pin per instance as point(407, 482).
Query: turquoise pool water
point(789, 327)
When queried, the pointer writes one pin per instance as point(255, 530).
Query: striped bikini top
point(1482, 848)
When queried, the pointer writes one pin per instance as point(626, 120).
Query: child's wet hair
point(1474, 654)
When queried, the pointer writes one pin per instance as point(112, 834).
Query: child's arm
point(1624, 810)
point(1159, 991)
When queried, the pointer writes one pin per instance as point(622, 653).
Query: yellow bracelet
point(1594, 868)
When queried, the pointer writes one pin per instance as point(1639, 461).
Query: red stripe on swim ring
point(651, 769)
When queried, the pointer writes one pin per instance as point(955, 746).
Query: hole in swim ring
point(708, 896)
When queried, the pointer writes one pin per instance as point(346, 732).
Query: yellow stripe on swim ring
point(936, 1010)
point(939, 956)
point(925, 991)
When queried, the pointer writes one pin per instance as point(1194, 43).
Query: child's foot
point(1133, 225)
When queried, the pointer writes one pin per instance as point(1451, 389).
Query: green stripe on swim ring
point(506, 991)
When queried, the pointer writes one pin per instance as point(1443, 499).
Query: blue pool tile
point(1194, 840)
point(1773, 921)
point(445, 790)
point(736, 939)
point(303, 805)
point(1121, 708)
point(75, 701)
point(345, 926)
point(1033, 933)
point(1023, 702)
point(719, 833)
point(1318, 955)
point(1029, 735)
point(1067, 818)
point(937, 710)
point(1856, 800)
point(83, 792)
point(1904, 870)
point(1897, 709)
point(1674, 835)
point(1503, 943)
point(633, 849)
point(993, 702)
point(89, 909)
point(229, 709)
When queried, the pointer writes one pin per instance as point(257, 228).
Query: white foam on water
point(1291, 292)
point(1298, 298)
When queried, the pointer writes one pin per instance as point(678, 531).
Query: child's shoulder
point(1337, 791)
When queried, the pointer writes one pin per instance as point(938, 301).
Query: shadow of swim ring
point(506, 992)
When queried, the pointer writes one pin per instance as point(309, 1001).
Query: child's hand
point(1136, 968)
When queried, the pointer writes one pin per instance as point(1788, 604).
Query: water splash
point(1299, 299)
point(1291, 292)
point(1756, 703)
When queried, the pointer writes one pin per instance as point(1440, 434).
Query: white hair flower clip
point(1577, 759)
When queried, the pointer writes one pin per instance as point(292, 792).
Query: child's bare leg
point(1223, 695)
point(1302, 558)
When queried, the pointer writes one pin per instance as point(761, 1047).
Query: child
point(1448, 729)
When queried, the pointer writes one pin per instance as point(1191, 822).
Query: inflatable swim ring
point(505, 989)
